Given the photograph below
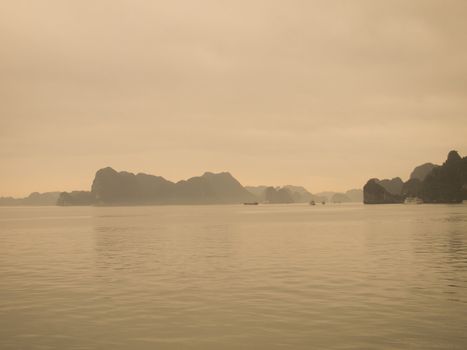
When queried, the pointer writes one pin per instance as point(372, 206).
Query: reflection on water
point(231, 277)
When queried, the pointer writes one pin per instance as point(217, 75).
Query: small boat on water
point(250, 203)
point(323, 202)
point(413, 200)
point(312, 203)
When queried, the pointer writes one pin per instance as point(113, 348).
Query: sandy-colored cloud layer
point(319, 93)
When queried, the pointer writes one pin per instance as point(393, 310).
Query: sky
point(324, 94)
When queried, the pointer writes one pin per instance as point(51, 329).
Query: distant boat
point(250, 203)
point(413, 200)
point(312, 203)
point(323, 202)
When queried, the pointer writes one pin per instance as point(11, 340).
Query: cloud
point(293, 87)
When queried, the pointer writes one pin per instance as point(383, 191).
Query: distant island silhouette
point(298, 194)
point(111, 187)
point(35, 198)
point(124, 188)
point(430, 183)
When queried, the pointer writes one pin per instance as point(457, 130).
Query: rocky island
point(124, 188)
point(34, 199)
point(429, 182)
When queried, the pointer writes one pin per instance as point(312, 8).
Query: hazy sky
point(324, 94)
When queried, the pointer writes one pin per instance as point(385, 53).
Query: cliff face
point(375, 193)
point(383, 191)
point(447, 183)
point(420, 172)
point(112, 187)
point(442, 184)
point(393, 186)
point(412, 188)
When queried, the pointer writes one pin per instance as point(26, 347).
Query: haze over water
point(234, 277)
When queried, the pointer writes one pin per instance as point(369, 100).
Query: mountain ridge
point(111, 187)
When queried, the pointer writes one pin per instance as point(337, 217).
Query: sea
point(334, 276)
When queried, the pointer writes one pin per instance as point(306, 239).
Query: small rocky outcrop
point(278, 195)
point(340, 198)
point(285, 194)
point(76, 198)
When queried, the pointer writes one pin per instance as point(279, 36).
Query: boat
point(312, 203)
point(250, 203)
point(413, 200)
point(323, 202)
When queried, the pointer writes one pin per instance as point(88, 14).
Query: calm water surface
point(234, 277)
